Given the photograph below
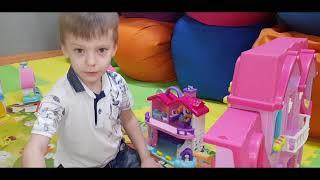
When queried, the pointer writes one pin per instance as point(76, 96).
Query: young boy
point(88, 106)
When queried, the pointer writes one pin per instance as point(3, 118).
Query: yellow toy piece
point(279, 143)
point(306, 103)
point(168, 166)
point(225, 100)
point(159, 153)
point(169, 158)
point(230, 86)
point(3, 111)
point(203, 160)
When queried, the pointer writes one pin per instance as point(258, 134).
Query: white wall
point(28, 32)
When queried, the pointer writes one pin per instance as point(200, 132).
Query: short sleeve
point(122, 86)
point(50, 114)
point(127, 98)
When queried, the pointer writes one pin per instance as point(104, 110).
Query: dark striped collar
point(74, 80)
point(78, 86)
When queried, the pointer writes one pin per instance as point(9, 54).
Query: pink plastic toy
point(31, 93)
point(267, 122)
point(27, 80)
point(111, 69)
point(176, 126)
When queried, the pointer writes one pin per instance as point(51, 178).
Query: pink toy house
point(176, 126)
point(31, 93)
point(267, 122)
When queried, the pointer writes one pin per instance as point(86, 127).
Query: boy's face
point(89, 58)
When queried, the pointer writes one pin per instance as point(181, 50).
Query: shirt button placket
point(99, 115)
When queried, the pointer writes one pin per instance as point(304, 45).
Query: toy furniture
point(3, 111)
point(267, 122)
point(176, 126)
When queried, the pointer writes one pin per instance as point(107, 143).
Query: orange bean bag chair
point(144, 49)
point(267, 35)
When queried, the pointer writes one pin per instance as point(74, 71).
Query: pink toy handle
point(176, 89)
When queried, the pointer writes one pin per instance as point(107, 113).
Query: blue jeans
point(126, 158)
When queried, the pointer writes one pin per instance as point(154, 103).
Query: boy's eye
point(78, 50)
point(103, 50)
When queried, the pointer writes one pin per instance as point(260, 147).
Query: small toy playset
point(267, 121)
point(176, 126)
point(31, 94)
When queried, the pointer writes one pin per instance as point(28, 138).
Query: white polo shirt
point(89, 130)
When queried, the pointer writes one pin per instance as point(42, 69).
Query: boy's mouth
point(91, 73)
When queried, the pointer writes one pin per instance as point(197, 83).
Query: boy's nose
point(91, 60)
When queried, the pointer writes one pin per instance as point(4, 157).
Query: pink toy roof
point(195, 105)
point(306, 62)
point(163, 97)
point(261, 74)
point(232, 128)
point(27, 79)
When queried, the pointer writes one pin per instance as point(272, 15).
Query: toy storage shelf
point(294, 143)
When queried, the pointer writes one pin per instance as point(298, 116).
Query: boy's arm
point(35, 151)
point(131, 126)
point(50, 113)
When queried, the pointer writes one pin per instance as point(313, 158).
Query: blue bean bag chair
point(305, 22)
point(204, 56)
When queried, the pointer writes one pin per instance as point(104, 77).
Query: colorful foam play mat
point(15, 128)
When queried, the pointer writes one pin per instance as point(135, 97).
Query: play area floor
point(15, 128)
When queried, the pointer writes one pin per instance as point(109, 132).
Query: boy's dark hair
point(88, 25)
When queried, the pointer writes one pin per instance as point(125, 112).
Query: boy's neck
point(95, 87)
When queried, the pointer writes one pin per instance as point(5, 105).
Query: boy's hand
point(149, 162)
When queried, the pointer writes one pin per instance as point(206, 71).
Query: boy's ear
point(114, 50)
point(64, 51)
